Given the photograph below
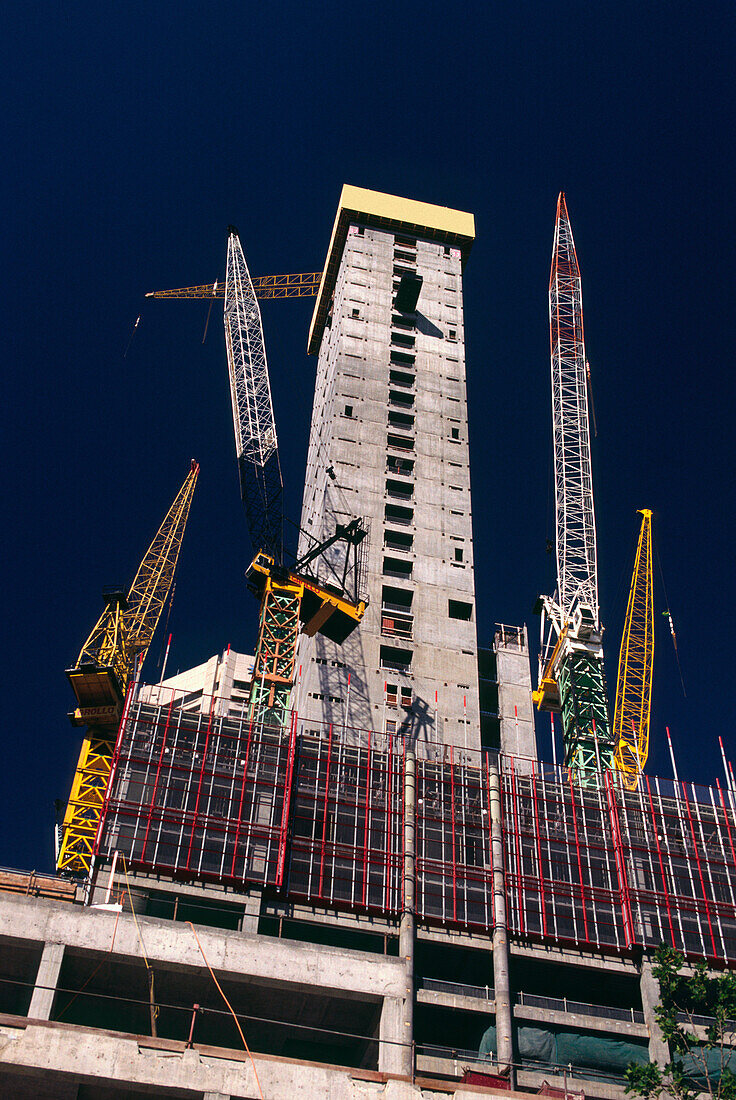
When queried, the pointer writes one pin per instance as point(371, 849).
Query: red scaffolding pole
point(283, 832)
point(155, 782)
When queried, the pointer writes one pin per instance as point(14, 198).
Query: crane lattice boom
point(577, 569)
point(100, 677)
point(572, 678)
point(255, 428)
point(636, 665)
point(302, 285)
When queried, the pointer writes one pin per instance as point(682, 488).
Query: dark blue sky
point(133, 135)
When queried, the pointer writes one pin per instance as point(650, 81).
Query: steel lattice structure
point(635, 665)
point(577, 567)
point(103, 671)
point(572, 678)
point(256, 444)
point(301, 285)
point(317, 815)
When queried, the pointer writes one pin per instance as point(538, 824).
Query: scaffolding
point(317, 816)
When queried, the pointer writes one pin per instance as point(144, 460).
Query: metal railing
point(483, 992)
point(563, 1004)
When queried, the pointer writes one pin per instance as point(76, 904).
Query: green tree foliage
point(702, 1059)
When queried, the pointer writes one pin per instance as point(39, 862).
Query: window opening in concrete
point(401, 420)
point(406, 698)
point(333, 935)
point(402, 400)
point(395, 513)
point(355, 313)
point(458, 609)
point(180, 907)
point(455, 433)
point(400, 442)
point(407, 242)
point(395, 465)
point(348, 410)
point(459, 553)
point(401, 378)
point(402, 257)
point(396, 599)
point(402, 358)
point(394, 658)
point(404, 490)
point(452, 335)
point(396, 567)
point(397, 540)
point(403, 340)
point(18, 972)
point(402, 322)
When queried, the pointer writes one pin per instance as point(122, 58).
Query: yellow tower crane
point(635, 666)
point(108, 659)
point(302, 285)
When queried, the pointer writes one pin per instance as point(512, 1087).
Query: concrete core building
point(389, 443)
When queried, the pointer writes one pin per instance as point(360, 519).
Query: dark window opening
point(395, 567)
point(403, 340)
point(404, 257)
point(407, 242)
point(401, 420)
point(402, 489)
point(397, 540)
point(458, 609)
point(348, 410)
point(405, 400)
point(401, 442)
point(403, 466)
point(397, 659)
point(458, 553)
point(455, 433)
point(402, 358)
point(397, 599)
point(355, 313)
point(394, 513)
point(401, 378)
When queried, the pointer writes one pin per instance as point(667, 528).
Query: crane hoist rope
point(636, 665)
point(117, 644)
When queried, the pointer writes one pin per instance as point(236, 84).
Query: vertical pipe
point(406, 928)
point(501, 982)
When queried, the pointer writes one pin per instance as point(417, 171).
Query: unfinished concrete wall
point(389, 442)
point(515, 707)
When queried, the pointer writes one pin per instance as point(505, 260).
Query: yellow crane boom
point(635, 666)
point(304, 285)
point(120, 638)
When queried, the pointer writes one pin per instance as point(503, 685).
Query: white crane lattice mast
point(572, 677)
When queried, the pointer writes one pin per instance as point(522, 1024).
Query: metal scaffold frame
point(317, 815)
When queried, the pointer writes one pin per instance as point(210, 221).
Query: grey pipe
point(501, 983)
point(407, 926)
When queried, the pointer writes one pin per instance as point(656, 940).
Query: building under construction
point(381, 891)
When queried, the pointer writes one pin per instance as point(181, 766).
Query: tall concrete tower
point(389, 442)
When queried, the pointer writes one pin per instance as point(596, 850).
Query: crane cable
point(668, 613)
point(232, 1011)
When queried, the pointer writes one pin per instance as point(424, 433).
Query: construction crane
point(114, 650)
point(572, 676)
point(293, 596)
point(635, 666)
point(304, 285)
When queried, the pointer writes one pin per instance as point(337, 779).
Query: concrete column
point(48, 975)
point(501, 982)
point(390, 1034)
point(407, 926)
point(252, 911)
point(659, 1050)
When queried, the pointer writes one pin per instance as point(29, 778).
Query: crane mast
point(572, 676)
point(636, 665)
point(117, 643)
point(288, 597)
